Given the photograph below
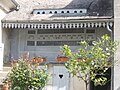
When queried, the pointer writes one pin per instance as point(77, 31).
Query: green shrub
point(26, 76)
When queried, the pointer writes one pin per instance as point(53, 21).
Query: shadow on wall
point(94, 7)
point(118, 88)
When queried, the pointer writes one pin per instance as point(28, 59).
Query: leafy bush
point(26, 76)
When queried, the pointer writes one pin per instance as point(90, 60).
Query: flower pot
point(38, 59)
point(5, 87)
point(62, 59)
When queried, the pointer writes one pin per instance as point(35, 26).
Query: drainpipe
point(109, 29)
point(112, 68)
point(17, 5)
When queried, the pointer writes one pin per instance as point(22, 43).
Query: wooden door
point(60, 78)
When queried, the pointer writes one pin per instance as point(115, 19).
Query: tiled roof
point(102, 7)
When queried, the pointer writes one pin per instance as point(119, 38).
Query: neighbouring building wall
point(2, 14)
point(117, 37)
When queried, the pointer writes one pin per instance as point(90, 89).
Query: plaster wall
point(2, 14)
point(18, 44)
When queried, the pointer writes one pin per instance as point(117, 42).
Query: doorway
point(60, 78)
point(104, 87)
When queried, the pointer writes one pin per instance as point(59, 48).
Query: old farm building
point(40, 27)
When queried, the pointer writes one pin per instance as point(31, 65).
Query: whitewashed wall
point(2, 14)
point(117, 37)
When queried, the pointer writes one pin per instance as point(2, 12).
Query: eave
point(9, 5)
point(60, 24)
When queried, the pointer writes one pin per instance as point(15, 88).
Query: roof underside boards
point(55, 24)
point(93, 7)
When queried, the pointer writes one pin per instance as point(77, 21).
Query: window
point(59, 11)
point(31, 31)
point(30, 43)
point(90, 31)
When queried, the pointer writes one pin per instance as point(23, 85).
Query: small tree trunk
point(86, 86)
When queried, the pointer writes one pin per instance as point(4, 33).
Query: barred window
point(30, 43)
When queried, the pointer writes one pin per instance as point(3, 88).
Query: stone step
point(4, 73)
point(1, 80)
point(7, 68)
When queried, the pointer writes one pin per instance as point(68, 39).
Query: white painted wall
point(2, 15)
point(117, 37)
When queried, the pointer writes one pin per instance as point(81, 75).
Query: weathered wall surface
point(93, 7)
point(6, 41)
point(19, 38)
point(117, 37)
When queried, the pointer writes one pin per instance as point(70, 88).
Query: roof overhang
point(94, 23)
point(8, 5)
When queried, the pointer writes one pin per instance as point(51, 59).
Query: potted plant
point(5, 86)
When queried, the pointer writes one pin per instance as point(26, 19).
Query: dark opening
point(104, 87)
point(80, 11)
point(38, 12)
point(43, 12)
point(50, 12)
point(62, 11)
point(75, 11)
point(55, 11)
point(68, 12)
point(61, 76)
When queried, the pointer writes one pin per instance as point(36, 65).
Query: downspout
point(112, 68)
point(17, 5)
point(110, 30)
